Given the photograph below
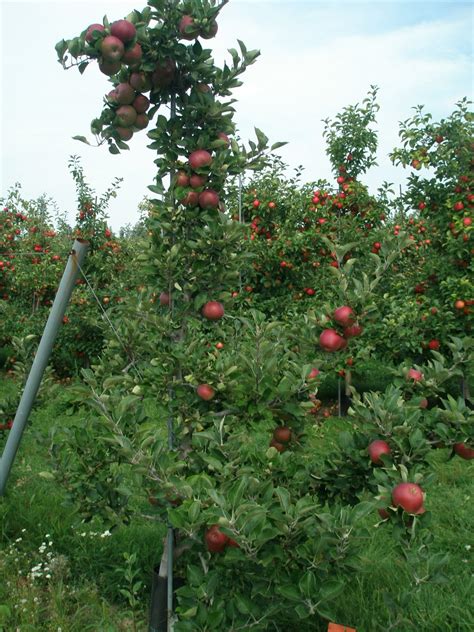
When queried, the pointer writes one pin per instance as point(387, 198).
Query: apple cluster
point(118, 46)
point(194, 180)
point(331, 340)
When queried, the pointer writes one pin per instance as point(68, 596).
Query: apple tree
point(206, 418)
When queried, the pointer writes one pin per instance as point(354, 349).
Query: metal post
point(339, 403)
point(41, 359)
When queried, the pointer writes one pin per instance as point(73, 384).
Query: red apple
point(282, 434)
point(213, 310)
point(163, 74)
point(205, 392)
point(141, 121)
point(277, 445)
point(112, 49)
point(344, 316)
point(199, 159)
point(331, 341)
point(197, 181)
point(313, 374)
point(109, 68)
point(124, 94)
point(464, 451)
point(208, 199)
point(91, 29)
point(190, 199)
point(415, 375)
point(216, 541)
point(133, 55)
point(434, 345)
point(376, 449)
point(353, 331)
point(141, 103)
point(165, 298)
point(140, 81)
point(188, 28)
point(224, 137)
point(409, 496)
point(209, 31)
point(126, 116)
point(124, 30)
point(182, 179)
point(125, 133)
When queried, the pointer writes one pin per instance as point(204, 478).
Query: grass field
point(59, 574)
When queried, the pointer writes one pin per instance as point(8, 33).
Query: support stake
point(40, 362)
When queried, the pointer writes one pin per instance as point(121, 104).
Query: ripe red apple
point(331, 341)
point(199, 159)
point(208, 199)
point(112, 49)
point(125, 133)
point(209, 31)
point(182, 179)
point(126, 116)
point(133, 55)
point(282, 434)
point(124, 30)
point(277, 445)
point(190, 199)
point(409, 496)
point(344, 316)
point(109, 68)
point(141, 121)
point(163, 74)
point(464, 451)
point(197, 181)
point(213, 310)
point(434, 344)
point(216, 541)
point(376, 449)
point(91, 29)
point(224, 137)
point(467, 221)
point(124, 94)
point(165, 298)
point(141, 103)
point(188, 29)
point(458, 206)
point(313, 374)
point(205, 392)
point(140, 81)
point(415, 375)
point(353, 331)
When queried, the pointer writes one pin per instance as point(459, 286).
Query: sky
point(316, 58)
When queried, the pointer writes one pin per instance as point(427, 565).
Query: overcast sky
point(316, 58)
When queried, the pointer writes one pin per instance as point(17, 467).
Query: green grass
point(83, 590)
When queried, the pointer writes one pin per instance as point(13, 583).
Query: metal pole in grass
point(339, 402)
point(43, 353)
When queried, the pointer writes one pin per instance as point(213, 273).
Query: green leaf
point(83, 139)
point(288, 591)
point(330, 589)
point(278, 145)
